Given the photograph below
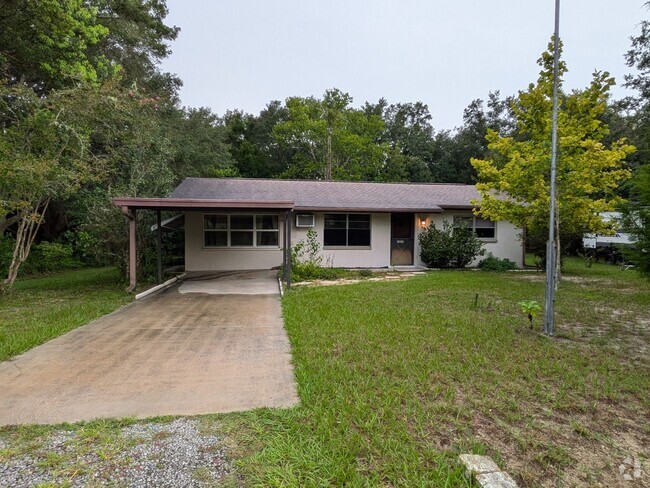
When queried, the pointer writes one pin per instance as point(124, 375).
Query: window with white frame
point(240, 230)
point(484, 229)
point(347, 230)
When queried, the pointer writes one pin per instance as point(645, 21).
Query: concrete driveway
point(216, 343)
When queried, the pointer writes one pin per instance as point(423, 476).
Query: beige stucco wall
point(197, 258)
point(508, 243)
point(377, 256)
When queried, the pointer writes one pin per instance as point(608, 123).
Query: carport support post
point(159, 246)
point(130, 214)
point(287, 249)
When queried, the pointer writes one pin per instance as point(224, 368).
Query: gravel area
point(173, 454)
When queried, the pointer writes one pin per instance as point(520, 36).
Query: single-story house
point(240, 223)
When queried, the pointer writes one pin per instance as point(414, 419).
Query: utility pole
point(551, 254)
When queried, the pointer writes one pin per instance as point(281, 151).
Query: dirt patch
point(592, 455)
point(398, 276)
point(623, 331)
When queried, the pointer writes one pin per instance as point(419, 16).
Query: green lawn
point(397, 378)
point(39, 309)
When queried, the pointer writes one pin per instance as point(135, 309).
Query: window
point(347, 230)
point(484, 229)
point(238, 230)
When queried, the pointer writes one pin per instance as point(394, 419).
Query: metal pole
point(549, 305)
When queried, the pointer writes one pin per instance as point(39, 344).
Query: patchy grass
point(397, 378)
point(39, 309)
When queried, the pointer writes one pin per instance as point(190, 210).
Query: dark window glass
point(335, 221)
point(215, 239)
point(267, 222)
point(359, 237)
point(241, 221)
point(267, 238)
point(484, 228)
point(335, 237)
point(359, 221)
point(347, 230)
point(215, 222)
point(241, 238)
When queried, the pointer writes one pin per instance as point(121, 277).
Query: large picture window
point(239, 230)
point(347, 230)
point(484, 229)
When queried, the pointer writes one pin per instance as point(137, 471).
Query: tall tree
point(636, 212)
point(137, 40)
point(255, 151)
point(331, 140)
point(514, 181)
point(45, 44)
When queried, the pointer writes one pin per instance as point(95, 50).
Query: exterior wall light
point(423, 221)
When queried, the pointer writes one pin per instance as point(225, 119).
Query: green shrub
point(449, 247)
point(366, 273)
point(496, 264)
point(6, 252)
point(47, 257)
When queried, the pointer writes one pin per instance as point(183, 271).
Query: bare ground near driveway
point(169, 354)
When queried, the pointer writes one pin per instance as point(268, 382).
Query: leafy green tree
point(137, 40)
point(452, 151)
point(197, 140)
point(43, 155)
point(331, 140)
point(254, 148)
point(45, 43)
point(636, 219)
point(514, 181)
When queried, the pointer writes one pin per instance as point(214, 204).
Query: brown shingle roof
point(332, 195)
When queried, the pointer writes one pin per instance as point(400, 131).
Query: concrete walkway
point(217, 345)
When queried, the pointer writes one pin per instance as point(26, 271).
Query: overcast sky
point(244, 53)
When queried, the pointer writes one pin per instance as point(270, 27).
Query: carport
point(130, 207)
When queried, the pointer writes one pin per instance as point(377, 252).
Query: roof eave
point(199, 204)
point(369, 209)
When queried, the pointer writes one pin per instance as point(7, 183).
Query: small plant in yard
point(307, 261)
point(531, 308)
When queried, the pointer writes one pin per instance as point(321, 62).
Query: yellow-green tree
point(514, 183)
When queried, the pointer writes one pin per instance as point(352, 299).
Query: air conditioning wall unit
point(304, 220)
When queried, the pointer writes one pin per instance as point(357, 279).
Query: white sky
point(244, 53)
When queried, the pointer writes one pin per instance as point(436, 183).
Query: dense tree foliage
point(514, 181)
point(636, 123)
point(87, 114)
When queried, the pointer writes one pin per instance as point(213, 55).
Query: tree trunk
point(29, 222)
point(328, 167)
point(558, 254)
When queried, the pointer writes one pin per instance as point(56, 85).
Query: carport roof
point(310, 195)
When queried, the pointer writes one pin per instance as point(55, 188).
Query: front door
point(402, 228)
